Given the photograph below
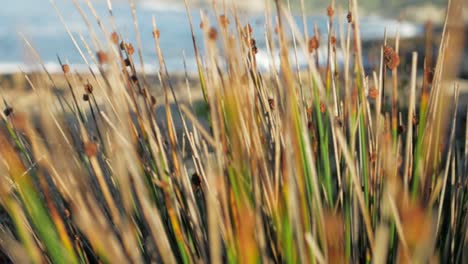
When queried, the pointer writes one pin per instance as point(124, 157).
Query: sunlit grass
point(277, 166)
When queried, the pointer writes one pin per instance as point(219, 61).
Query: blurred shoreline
point(54, 41)
point(41, 26)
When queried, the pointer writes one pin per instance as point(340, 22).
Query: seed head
point(333, 40)
point(129, 48)
point(254, 50)
point(212, 33)
point(115, 38)
point(391, 58)
point(349, 17)
point(338, 121)
point(330, 11)
point(88, 88)
point(323, 107)
point(196, 181)
point(102, 57)
point(401, 129)
point(373, 93)
point(429, 76)
point(7, 111)
point(271, 103)
point(127, 62)
point(223, 20)
point(156, 33)
point(415, 120)
point(90, 148)
point(144, 93)
point(153, 100)
point(85, 97)
point(66, 212)
point(310, 126)
point(313, 44)
point(309, 112)
point(65, 68)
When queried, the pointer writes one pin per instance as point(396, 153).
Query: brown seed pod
point(129, 48)
point(415, 120)
point(223, 20)
point(310, 126)
point(391, 58)
point(330, 11)
point(127, 62)
point(254, 50)
point(65, 68)
point(349, 17)
point(102, 57)
point(90, 149)
point(212, 33)
point(401, 129)
point(373, 93)
point(122, 45)
point(333, 40)
point(323, 107)
point(309, 112)
point(156, 33)
point(88, 88)
point(429, 76)
point(66, 212)
point(315, 145)
point(153, 100)
point(313, 44)
point(202, 25)
point(271, 103)
point(7, 111)
point(144, 93)
point(115, 38)
point(338, 121)
point(196, 181)
point(134, 78)
point(85, 97)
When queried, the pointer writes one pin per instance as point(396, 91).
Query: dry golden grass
point(235, 165)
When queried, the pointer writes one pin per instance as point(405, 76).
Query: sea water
point(38, 22)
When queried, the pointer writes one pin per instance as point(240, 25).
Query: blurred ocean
point(38, 22)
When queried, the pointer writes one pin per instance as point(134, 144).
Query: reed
point(283, 166)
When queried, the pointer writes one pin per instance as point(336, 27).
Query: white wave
point(301, 60)
point(373, 27)
point(249, 5)
point(162, 5)
point(54, 67)
point(178, 5)
point(51, 67)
